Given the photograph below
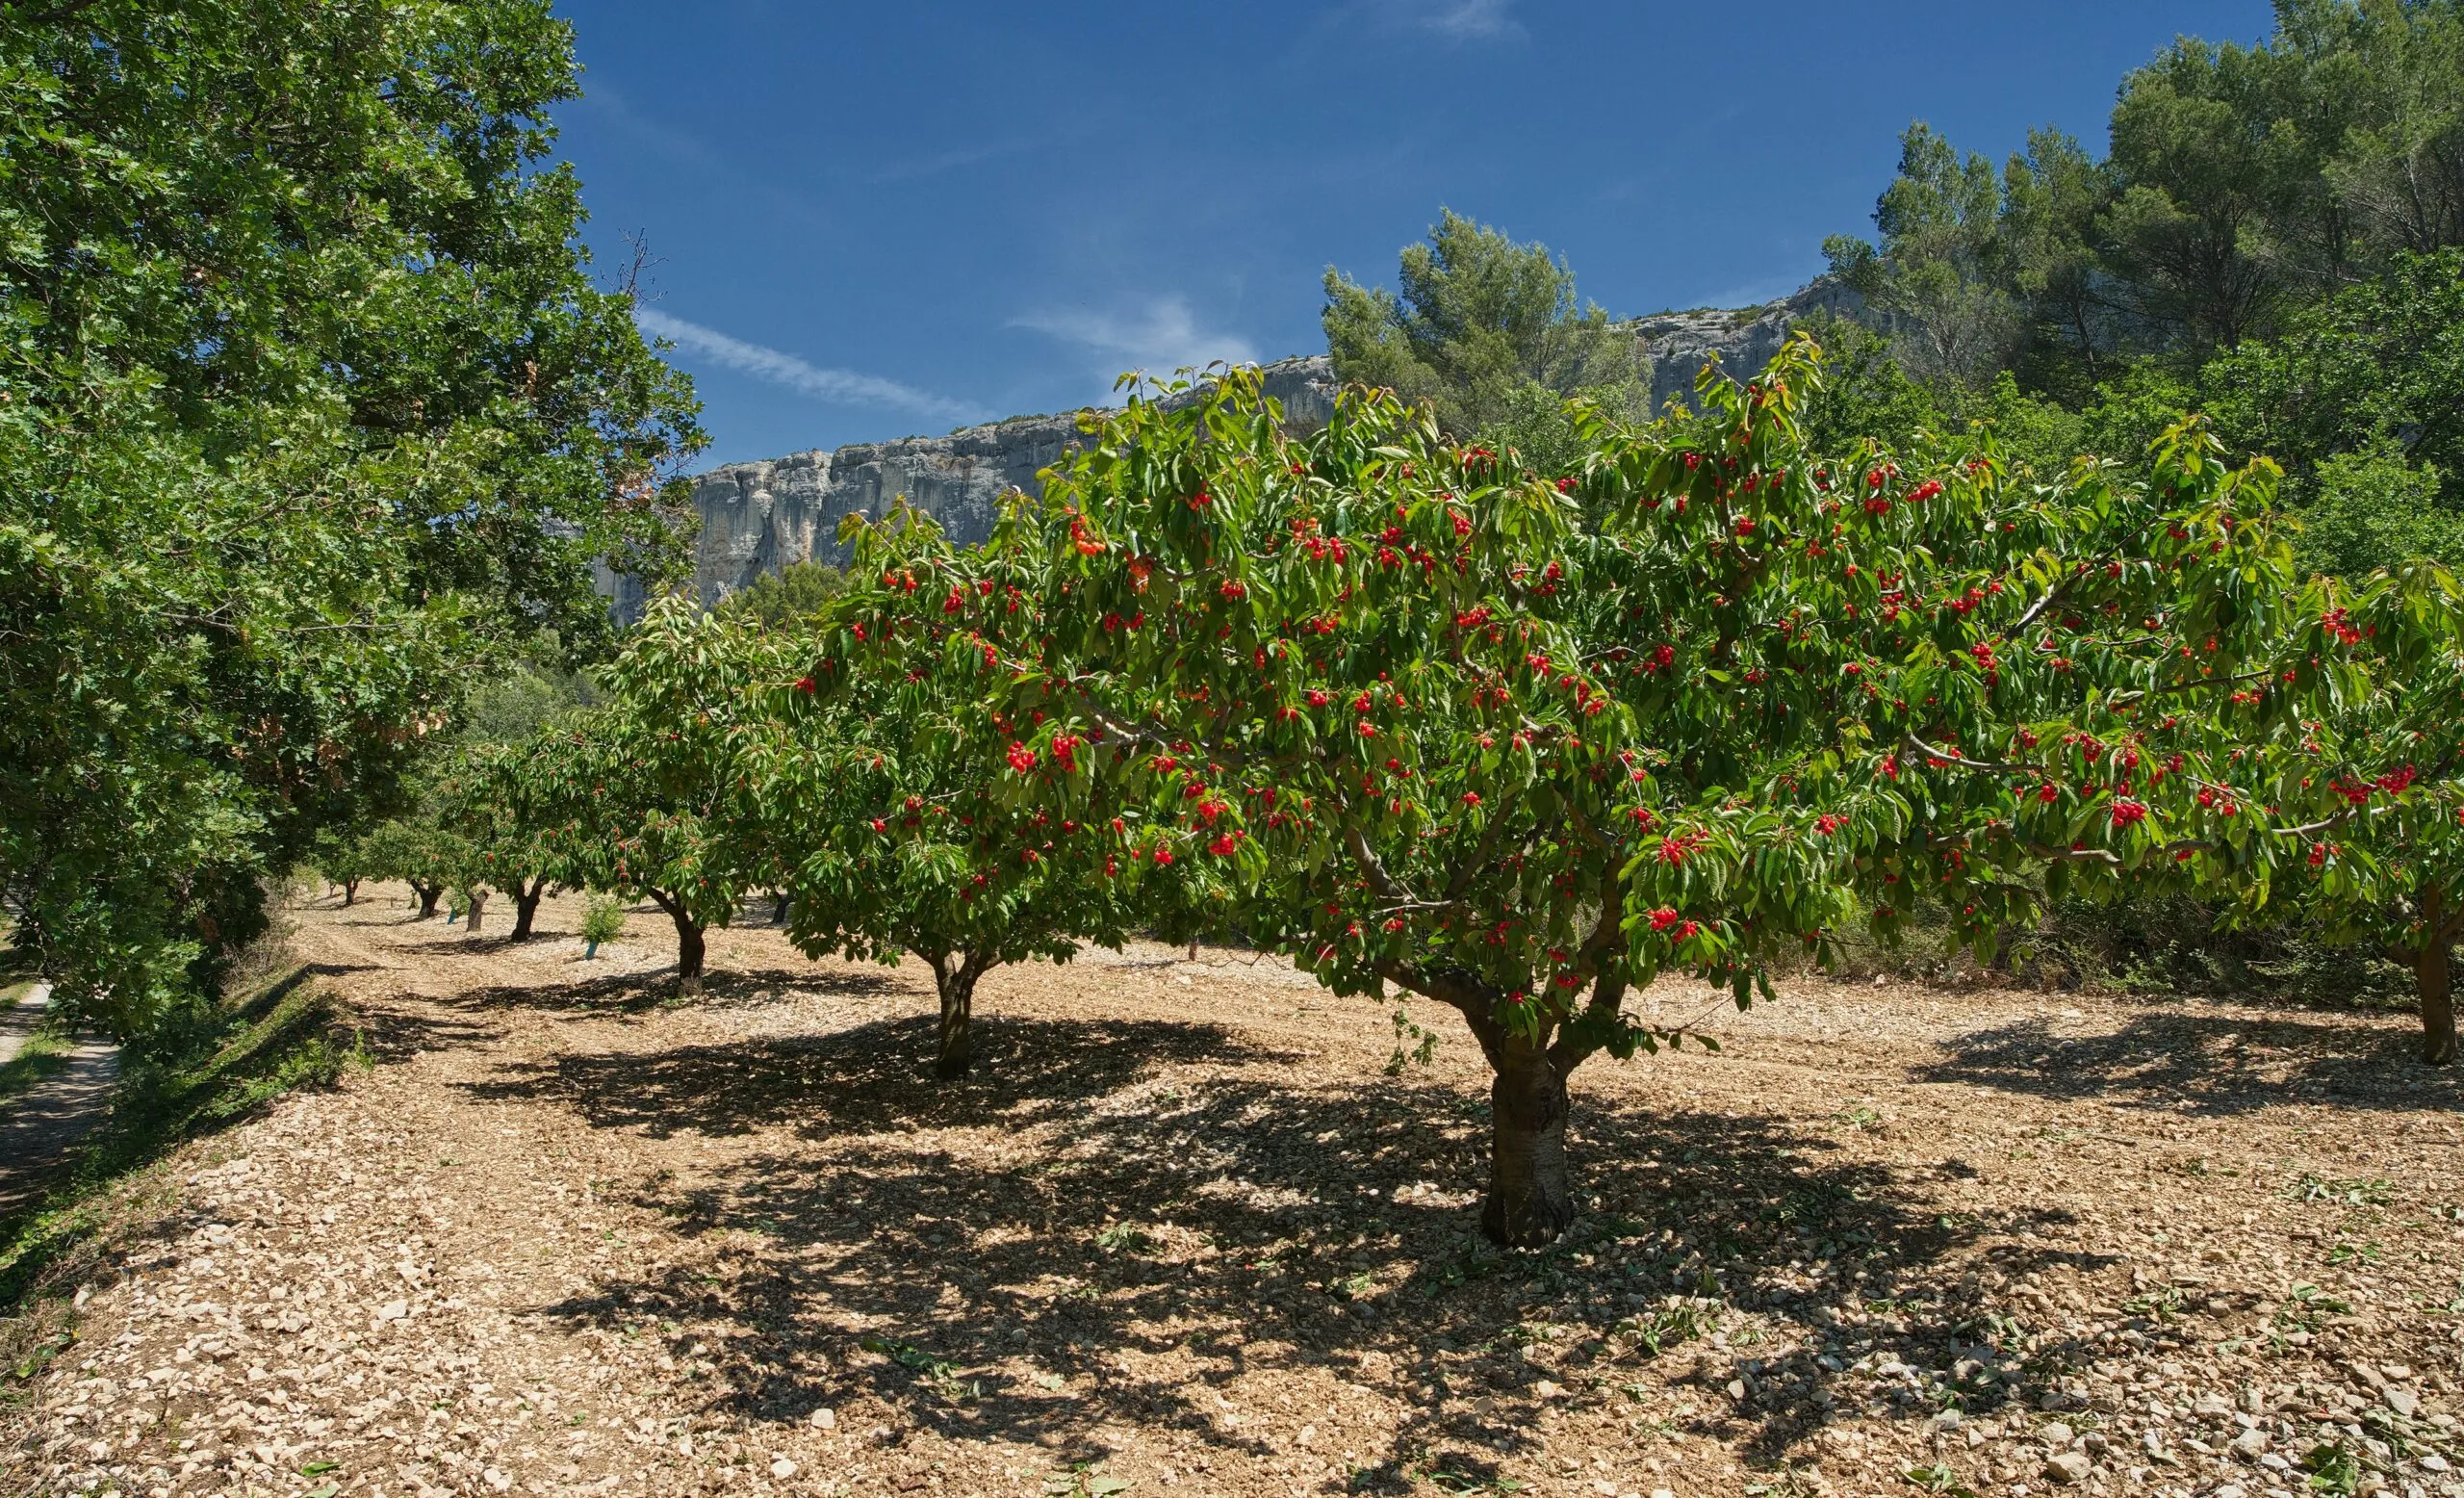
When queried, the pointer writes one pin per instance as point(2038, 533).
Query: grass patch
point(199, 1075)
point(41, 1057)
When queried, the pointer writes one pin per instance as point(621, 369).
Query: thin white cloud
point(1156, 337)
point(1462, 20)
point(843, 386)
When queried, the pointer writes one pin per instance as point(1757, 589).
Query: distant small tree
point(340, 855)
point(901, 833)
point(1490, 334)
point(423, 853)
point(793, 595)
point(647, 795)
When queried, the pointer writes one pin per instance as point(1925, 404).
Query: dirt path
point(1182, 1232)
point(39, 1126)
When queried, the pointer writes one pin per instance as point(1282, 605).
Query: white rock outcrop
point(762, 516)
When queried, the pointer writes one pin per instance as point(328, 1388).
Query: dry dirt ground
point(1181, 1235)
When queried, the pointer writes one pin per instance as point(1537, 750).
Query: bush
point(603, 919)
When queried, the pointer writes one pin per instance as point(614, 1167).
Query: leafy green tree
point(650, 796)
point(421, 851)
point(494, 799)
point(2378, 366)
point(341, 857)
point(1938, 278)
point(1490, 333)
point(788, 597)
point(1516, 747)
point(904, 837)
point(307, 401)
point(2053, 196)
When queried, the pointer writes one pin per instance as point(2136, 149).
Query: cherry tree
point(646, 796)
point(901, 833)
point(1518, 743)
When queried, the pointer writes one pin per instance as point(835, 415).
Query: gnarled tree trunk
point(689, 945)
point(1530, 1191)
point(956, 1051)
point(479, 905)
point(2434, 983)
point(428, 895)
point(350, 892)
point(525, 906)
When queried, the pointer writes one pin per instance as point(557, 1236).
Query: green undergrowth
point(44, 1052)
point(196, 1077)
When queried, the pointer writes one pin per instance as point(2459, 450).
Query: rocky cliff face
point(1739, 343)
point(760, 517)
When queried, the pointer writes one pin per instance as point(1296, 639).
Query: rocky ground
point(1182, 1234)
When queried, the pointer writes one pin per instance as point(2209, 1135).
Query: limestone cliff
point(760, 517)
point(1739, 342)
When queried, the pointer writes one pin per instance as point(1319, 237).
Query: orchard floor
point(1181, 1233)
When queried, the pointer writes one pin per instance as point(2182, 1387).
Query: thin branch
point(1954, 757)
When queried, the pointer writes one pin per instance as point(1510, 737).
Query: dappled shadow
point(1175, 1190)
point(866, 1080)
point(2213, 1058)
point(632, 992)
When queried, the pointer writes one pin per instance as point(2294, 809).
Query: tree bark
point(478, 904)
point(1531, 1192)
point(428, 895)
point(689, 946)
point(2435, 984)
point(956, 1054)
point(525, 907)
point(350, 892)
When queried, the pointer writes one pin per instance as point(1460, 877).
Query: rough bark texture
point(689, 945)
point(956, 1054)
point(2435, 984)
point(350, 892)
point(428, 896)
point(526, 907)
point(478, 907)
point(1531, 1192)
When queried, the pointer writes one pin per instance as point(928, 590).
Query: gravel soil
point(1182, 1232)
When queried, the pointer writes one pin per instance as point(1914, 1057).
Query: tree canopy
point(308, 401)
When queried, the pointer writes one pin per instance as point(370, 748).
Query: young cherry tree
point(900, 834)
point(646, 796)
point(501, 806)
point(1519, 743)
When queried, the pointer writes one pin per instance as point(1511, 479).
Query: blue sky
point(871, 220)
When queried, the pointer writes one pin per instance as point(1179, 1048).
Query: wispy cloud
point(1459, 20)
point(1158, 336)
point(843, 386)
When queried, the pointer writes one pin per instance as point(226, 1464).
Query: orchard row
point(1517, 744)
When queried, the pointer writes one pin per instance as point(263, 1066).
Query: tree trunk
point(2434, 982)
point(689, 947)
point(428, 895)
point(1530, 1194)
point(957, 1035)
point(350, 892)
point(478, 903)
point(525, 906)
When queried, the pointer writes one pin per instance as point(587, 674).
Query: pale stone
point(760, 517)
point(2068, 1466)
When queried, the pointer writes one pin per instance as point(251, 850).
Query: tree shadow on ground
point(636, 993)
point(1178, 1191)
point(2211, 1060)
